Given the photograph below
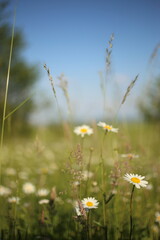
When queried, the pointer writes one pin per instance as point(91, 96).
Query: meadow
point(96, 180)
point(46, 177)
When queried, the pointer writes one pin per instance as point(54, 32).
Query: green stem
point(103, 181)
point(88, 226)
point(6, 91)
point(131, 219)
point(7, 82)
point(88, 169)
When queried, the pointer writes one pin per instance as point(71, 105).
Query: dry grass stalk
point(109, 51)
point(64, 86)
point(82, 210)
point(53, 194)
point(51, 79)
point(129, 89)
point(155, 52)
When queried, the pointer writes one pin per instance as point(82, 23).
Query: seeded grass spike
point(63, 84)
point(51, 79)
point(109, 51)
point(129, 89)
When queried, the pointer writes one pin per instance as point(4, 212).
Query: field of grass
point(68, 168)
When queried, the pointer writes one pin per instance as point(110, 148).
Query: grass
point(69, 168)
point(49, 161)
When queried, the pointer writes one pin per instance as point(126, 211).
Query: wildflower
point(86, 175)
point(136, 180)
point(10, 171)
point(90, 203)
point(149, 187)
point(28, 188)
point(83, 130)
point(42, 192)
point(77, 209)
point(76, 183)
point(44, 201)
point(13, 200)
point(107, 127)
point(23, 175)
point(129, 155)
point(94, 183)
point(157, 215)
point(4, 191)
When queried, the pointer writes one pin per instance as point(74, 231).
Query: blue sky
point(71, 37)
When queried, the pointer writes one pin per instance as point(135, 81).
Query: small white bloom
point(77, 209)
point(90, 203)
point(149, 187)
point(44, 201)
point(76, 183)
point(14, 200)
point(86, 175)
point(129, 155)
point(10, 171)
point(83, 130)
point(28, 188)
point(23, 175)
point(42, 192)
point(157, 216)
point(94, 183)
point(136, 180)
point(4, 191)
point(107, 127)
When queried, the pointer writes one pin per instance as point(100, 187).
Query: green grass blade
point(19, 106)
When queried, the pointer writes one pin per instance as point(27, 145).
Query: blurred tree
point(22, 75)
point(150, 105)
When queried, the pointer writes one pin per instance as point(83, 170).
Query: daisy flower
point(157, 215)
point(43, 201)
point(14, 200)
point(28, 188)
point(129, 155)
point(42, 192)
point(107, 127)
point(90, 203)
point(4, 191)
point(11, 171)
point(136, 180)
point(83, 130)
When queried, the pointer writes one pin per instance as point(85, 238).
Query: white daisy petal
point(136, 180)
point(107, 127)
point(83, 130)
point(90, 203)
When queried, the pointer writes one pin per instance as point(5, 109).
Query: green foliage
point(48, 162)
point(22, 75)
point(150, 105)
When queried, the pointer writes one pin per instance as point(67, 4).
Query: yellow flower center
point(135, 180)
point(130, 155)
point(158, 218)
point(108, 127)
point(83, 130)
point(89, 204)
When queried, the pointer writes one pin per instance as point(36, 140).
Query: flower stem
point(131, 219)
point(103, 183)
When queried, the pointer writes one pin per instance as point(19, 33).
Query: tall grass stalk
point(6, 91)
point(103, 185)
point(129, 88)
point(103, 79)
point(88, 170)
point(131, 218)
point(7, 81)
